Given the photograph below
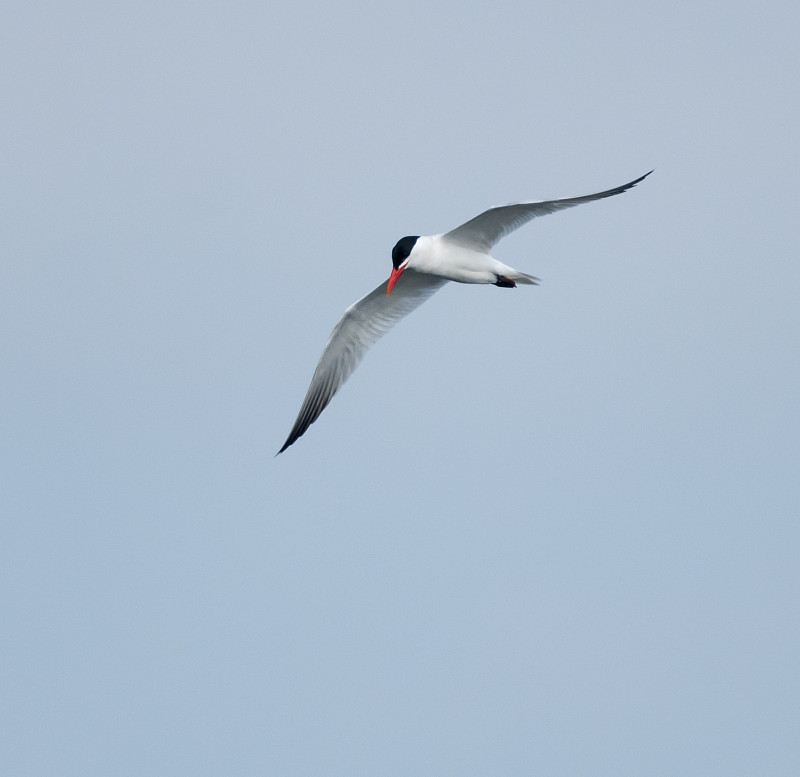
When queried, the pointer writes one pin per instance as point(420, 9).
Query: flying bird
point(421, 266)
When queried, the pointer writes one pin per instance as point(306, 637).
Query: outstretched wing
point(362, 325)
point(489, 227)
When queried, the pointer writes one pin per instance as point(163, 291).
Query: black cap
point(402, 249)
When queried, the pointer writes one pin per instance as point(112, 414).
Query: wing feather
point(362, 325)
point(492, 225)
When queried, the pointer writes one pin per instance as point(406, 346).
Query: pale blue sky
point(546, 531)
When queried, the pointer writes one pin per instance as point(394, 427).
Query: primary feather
point(494, 224)
point(362, 325)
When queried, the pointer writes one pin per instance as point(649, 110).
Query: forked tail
point(524, 278)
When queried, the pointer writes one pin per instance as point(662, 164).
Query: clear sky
point(543, 531)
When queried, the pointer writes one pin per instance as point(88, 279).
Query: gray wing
point(362, 325)
point(489, 227)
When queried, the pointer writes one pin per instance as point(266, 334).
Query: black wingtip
point(293, 437)
point(627, 186)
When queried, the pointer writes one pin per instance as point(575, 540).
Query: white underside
point(437, 256)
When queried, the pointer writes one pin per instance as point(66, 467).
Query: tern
point(421, 266)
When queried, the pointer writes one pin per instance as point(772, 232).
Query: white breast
point(437, 256)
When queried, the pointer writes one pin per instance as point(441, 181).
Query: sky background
point(545, 531)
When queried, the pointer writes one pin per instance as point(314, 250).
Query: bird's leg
point(505, 282)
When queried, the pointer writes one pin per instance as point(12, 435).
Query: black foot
point(505, 282)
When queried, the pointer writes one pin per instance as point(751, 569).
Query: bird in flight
point(421, 266)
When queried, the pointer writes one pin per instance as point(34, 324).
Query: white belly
point(451, 261)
